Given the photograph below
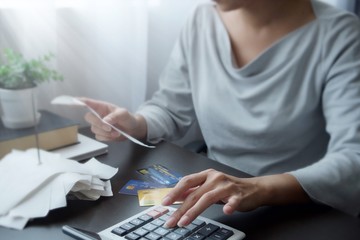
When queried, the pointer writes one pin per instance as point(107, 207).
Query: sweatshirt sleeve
point(170, 112)
point(335, 179)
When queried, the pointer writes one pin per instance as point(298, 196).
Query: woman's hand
point(200, 190)
point(134, 125)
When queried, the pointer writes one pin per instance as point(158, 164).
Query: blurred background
point(113, 50)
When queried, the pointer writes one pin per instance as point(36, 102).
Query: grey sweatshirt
point(295, 108)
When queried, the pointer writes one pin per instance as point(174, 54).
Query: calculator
point(149, 225)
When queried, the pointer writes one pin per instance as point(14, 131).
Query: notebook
point(85, 148)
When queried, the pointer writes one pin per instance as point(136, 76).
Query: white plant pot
point(18, 108)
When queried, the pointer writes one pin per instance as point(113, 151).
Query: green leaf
point(17, 72)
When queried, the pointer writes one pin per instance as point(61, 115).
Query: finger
point(94, 104)
point(186, 183)
point(90, 102)
point(118, 115)
point(200, 203)
point(245, 199)
point(231, 205)
point(100, 133)
point(216, 188)
point(100, 129)
point(186, 194)
point(101, 107)
point(122, 118)
point(175, 217)
point(194, 205)
point(97, 123)
point(108, 139)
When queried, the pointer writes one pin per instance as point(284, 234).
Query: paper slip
point(32, 190)
point(151, 197)
point(68, 100)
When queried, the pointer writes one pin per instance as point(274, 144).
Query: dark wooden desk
point(290, 222)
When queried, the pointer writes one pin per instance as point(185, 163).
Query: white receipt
point(68, 100)
point(32, 190)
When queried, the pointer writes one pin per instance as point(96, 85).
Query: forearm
point(140, 132)
point(282, 189)
point(198, 191)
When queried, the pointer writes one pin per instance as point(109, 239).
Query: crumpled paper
point(30, 190)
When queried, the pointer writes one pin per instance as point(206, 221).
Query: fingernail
point(184, 221)
point(170, 222)
point(166, 201)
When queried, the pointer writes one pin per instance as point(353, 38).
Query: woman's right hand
point(132, 124)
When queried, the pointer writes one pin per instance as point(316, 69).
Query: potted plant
point(19, 79)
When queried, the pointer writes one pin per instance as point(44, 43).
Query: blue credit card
point(161, 175)
point(132, 186)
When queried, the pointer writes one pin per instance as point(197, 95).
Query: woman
point(275, 87)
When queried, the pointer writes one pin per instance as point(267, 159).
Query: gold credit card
point(151, 197)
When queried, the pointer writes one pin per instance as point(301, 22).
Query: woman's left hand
point(200, 190)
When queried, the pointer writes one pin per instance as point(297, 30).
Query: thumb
point(88, 101)
point(229, 207)
point(98, 106)
point(111, 118)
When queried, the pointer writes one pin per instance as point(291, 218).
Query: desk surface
point(290, 222)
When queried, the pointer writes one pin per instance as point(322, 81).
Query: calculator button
point(150, 227)
point(216, 236)
point(161, 231)
point(119, 231)
point(137, 222)
point(208, 229)
point(128, 227)
point(161, 210)
point(165, 217)
point(153, 236)
point(198, 222)
point(132, 236)
point(174, 236)
point(226, 232)
point(183, 231)
point(196, 236)
point(146, 218)
point(158, 222)
point(141, 232)
point(192, 227)
point(154, 214)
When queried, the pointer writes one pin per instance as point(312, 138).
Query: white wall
point(117, 58)
point(165, 23)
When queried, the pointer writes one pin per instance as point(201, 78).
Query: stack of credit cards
point(161, 175)
point(157, 176)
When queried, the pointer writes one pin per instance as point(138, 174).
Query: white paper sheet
point(30, 190)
